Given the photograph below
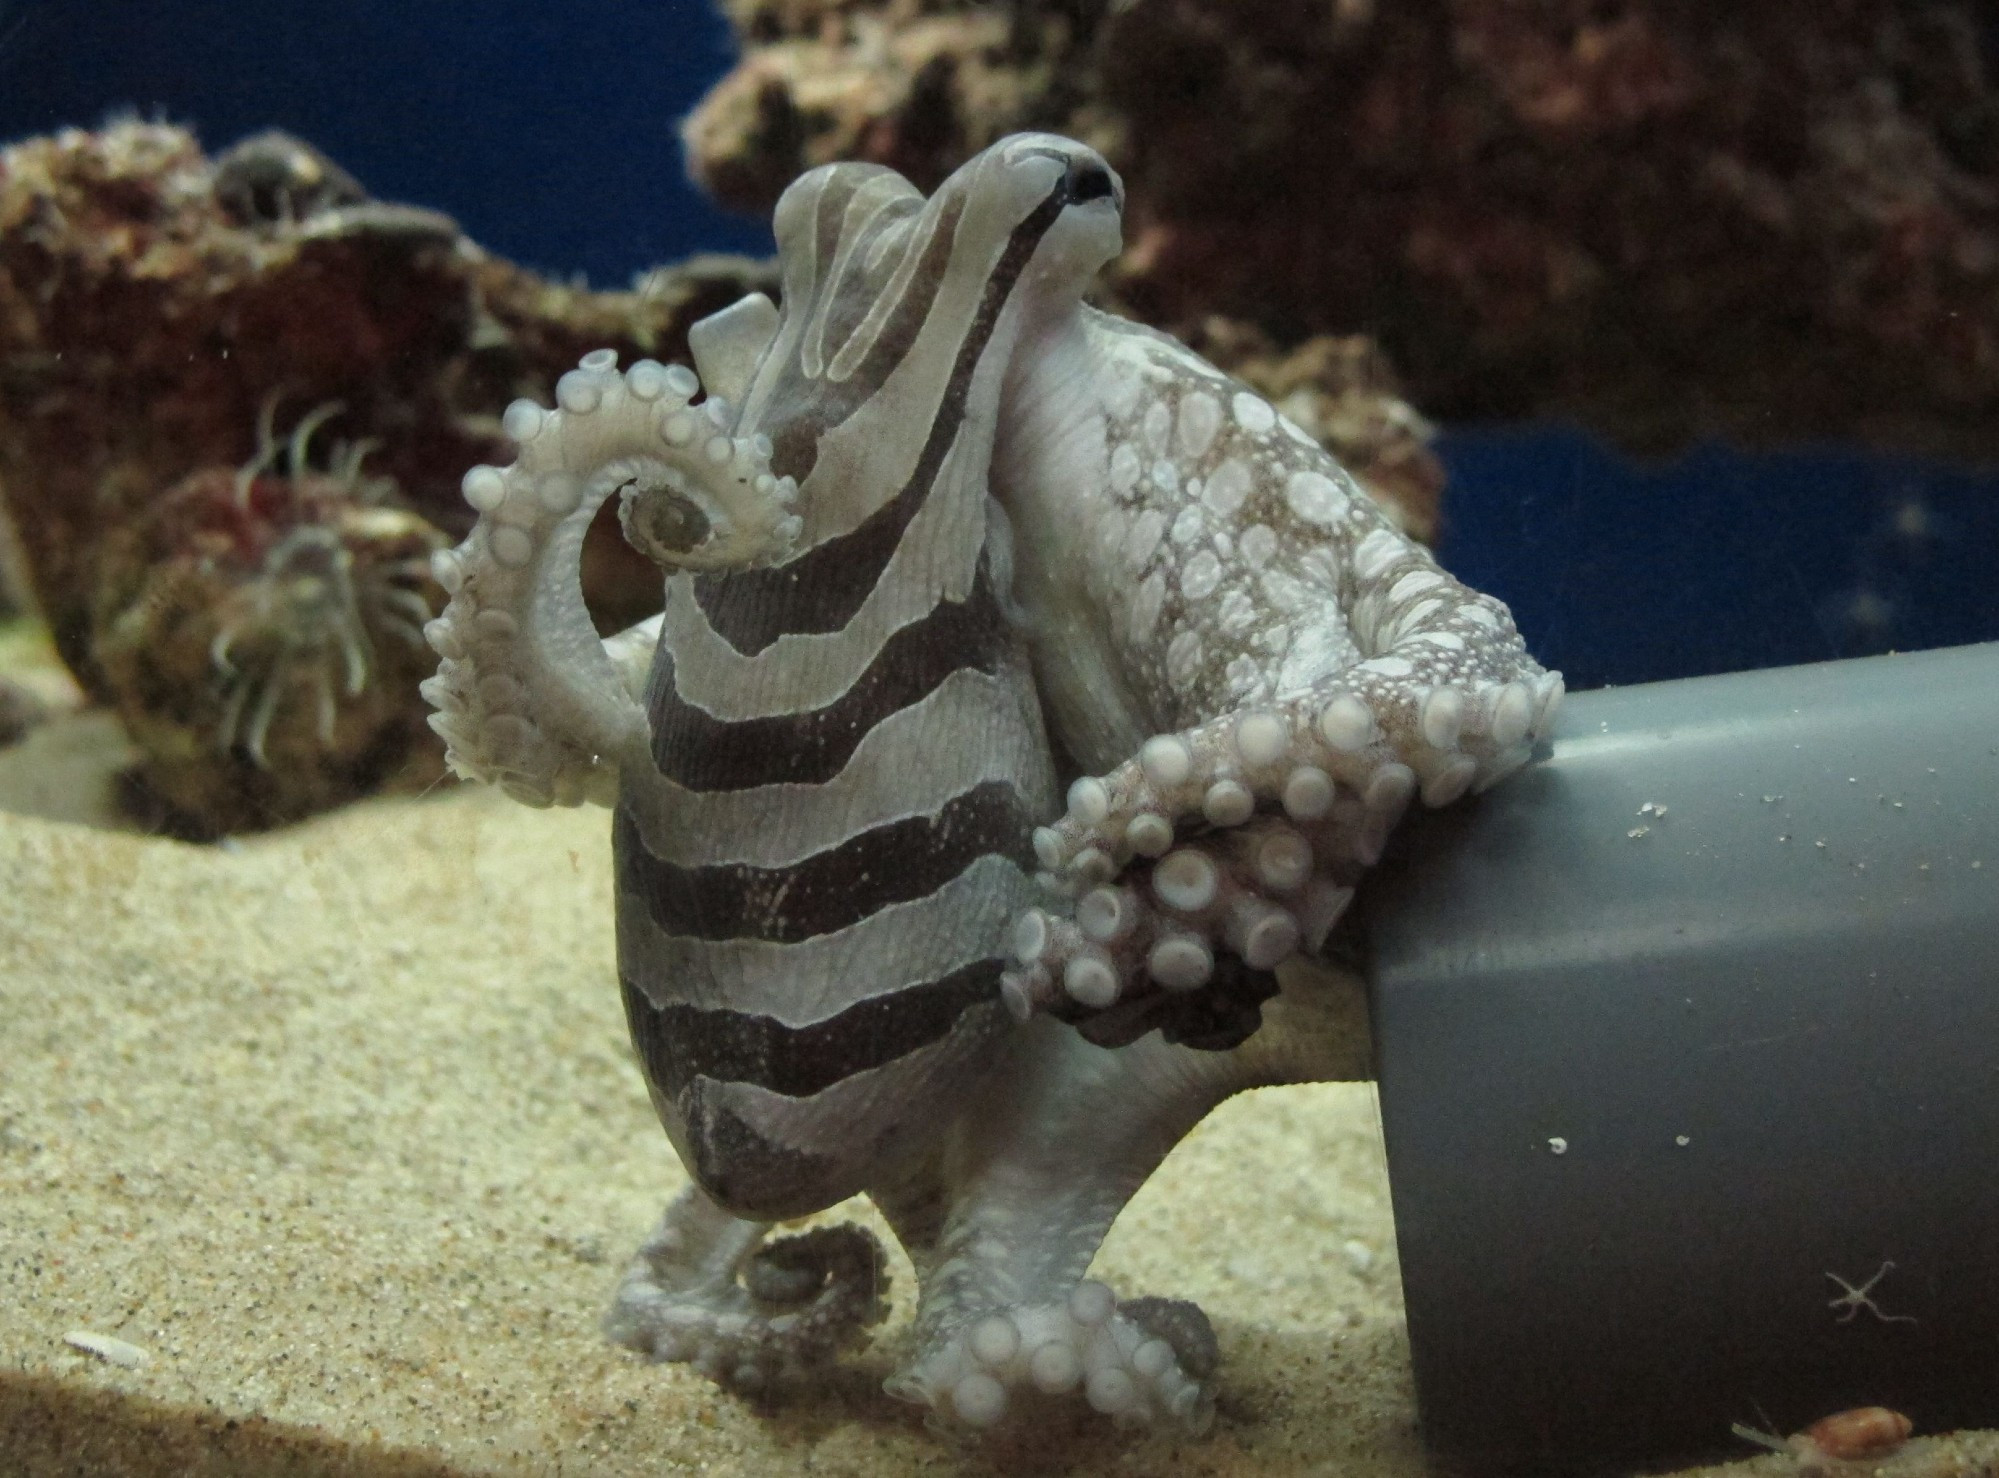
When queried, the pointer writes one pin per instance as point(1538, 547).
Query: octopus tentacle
point(1042, 1166)
point(1304, 668)
point(1429, 716)
point(707, 1290)
point(1213, 916)
point(527, 695)
point(1087, 1342)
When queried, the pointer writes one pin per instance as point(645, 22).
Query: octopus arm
point(1303, 667)
point(528, 696)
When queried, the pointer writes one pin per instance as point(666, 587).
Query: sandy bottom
point(339, 1129)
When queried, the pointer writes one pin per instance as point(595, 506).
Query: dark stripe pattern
point(888, 864)
point(823, 588)
point(680, 1042)
point(696, 750)
point(801, 410)
point(703, 1056)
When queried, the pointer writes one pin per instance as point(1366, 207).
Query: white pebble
point(446, 570)
point(718, 450)
point(677, 429)
point(1048, 848)
point(599, 359)
point(682, 381)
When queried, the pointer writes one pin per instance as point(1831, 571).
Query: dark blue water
point(548, 130)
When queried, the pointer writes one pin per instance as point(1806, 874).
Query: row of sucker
point(1144, 1362)
point(525, 695)
point(1381, 741)
point(774, 1320)
point(1258, 893)
point(1238, 843)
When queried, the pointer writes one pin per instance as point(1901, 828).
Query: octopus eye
point(661, 524)
point(1090, 182)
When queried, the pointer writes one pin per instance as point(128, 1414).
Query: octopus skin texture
point(940, 540)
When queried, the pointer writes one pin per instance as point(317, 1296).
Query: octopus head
point(1069, 187)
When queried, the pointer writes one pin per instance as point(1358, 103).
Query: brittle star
point(1862, 1297)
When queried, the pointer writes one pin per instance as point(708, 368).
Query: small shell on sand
point(107, 1347)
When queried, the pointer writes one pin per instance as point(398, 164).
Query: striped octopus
point(939, 542)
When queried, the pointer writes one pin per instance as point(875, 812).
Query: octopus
point(1027, 699)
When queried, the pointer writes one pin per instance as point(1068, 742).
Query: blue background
point(549, 132)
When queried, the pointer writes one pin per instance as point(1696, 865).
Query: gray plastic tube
point(1684, 1033)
